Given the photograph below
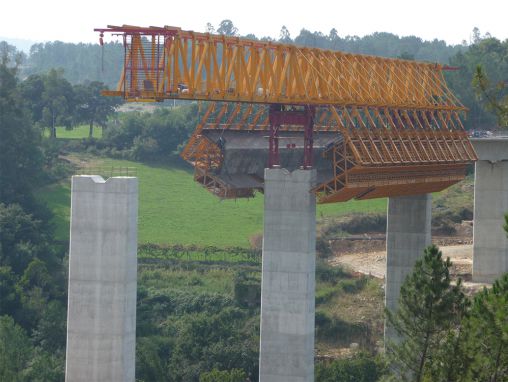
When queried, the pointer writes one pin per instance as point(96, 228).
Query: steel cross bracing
point(384, 152)
point(399, 125)
point(169, 63)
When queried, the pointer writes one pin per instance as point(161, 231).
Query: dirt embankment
point(367, 253)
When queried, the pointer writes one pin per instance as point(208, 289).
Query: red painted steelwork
point(289, 115)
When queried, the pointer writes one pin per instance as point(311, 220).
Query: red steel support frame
point(288, 115)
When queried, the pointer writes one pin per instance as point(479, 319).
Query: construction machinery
point(371, 126)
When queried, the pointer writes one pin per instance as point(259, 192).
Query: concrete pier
point(490, 248)
point(101, 320)
point(408, 232)
point(288, 277)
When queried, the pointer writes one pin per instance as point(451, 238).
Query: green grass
point(77, 132)
point(58, 199)
point(174, 209)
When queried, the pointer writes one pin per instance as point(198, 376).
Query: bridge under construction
point(301, 125)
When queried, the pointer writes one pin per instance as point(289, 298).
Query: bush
point(247, 289)
point(354, 285)
point(234, 375)
point(337, 330)
point(323, 249)
point(144, 148)
point(355, 224)
point(361, 368)
point(327, 273)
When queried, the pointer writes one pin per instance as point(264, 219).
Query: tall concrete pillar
point(407, 234)
point(101, 318)
point(288, 277)
point(490, 248)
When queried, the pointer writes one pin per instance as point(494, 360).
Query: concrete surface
point(288, 277)
point(246, 155)
point(408, 232)
point(101, 319)
point(490, 247)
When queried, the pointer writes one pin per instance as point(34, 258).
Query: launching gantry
point(371, 126)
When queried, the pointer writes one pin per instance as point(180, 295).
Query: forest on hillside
point(91, 62)
point(198, 305)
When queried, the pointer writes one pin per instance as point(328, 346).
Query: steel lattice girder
point(169, 63)
point(382, 151)
point(397, 123)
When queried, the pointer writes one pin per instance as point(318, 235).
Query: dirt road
point(374, 263)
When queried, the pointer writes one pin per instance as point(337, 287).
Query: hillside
point(173, 209)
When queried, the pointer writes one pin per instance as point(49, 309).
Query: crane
point(381, 126)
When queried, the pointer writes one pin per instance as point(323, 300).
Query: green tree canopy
point(426, 314)
point(93, 108)
point(15, 350)
point(488, 324)
point(20, 156)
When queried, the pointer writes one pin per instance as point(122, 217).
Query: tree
point(31, 90)
point(20, 156)
point(44, 367)
point(210, 28)
point(495, 97)
point(9, 299)
point(22, 238)
point(9, 55)
point(58, 101)
point(234, 375)
point(426, 314)
point(227, 28)
point(488, 324)
point(360, 368)
point(92, 107)
point(15, 350)
point(285, 36)
point(50, 98)
point(491, 54)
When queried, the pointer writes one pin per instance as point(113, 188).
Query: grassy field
point(77, 132)
point(174, 209)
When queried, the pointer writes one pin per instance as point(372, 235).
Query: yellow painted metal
point(168, 62)
point(383, 151)
point(399, 125)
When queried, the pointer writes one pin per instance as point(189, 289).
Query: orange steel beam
point(383, 152)
point(399, 125)
point(170, 63)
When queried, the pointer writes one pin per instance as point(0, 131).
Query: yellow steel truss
point(383, 151)
point(399, 124)
point(168, 62)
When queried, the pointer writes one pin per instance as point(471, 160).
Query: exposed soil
point(367, 254)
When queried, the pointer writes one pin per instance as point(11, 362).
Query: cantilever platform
point(358, 153)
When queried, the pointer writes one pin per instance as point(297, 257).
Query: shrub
point(335, 329)
point(360, 368)
point(234, 375)
point(247, 289)
point(329, 274)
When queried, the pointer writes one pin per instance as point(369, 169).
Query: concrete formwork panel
point(408, 232)
point(490, 248)
point(101, 318)
point(288, 277)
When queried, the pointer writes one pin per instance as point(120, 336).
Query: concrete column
point(101, 318)
point(490, 248)
point(288, 278)
point(407, 235)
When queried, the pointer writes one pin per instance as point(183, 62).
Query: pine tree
point(488, 326)
point(426, 315)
